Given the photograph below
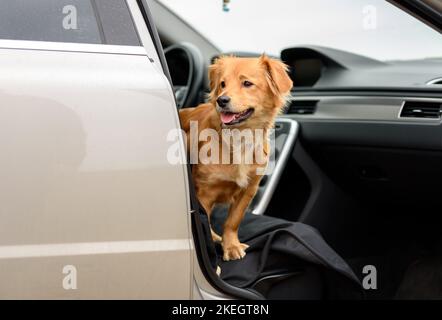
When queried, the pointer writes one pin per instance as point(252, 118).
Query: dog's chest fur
point(239, 174)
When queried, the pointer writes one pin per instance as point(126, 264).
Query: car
point(92, 207)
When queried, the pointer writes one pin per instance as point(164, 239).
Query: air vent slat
point(421, 109)
point(302, 107)
point(435, 82)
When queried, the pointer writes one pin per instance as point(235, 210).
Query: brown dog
point(246, 93)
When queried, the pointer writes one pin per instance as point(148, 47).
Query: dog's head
point(248, 91)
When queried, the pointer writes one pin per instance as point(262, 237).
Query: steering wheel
point(186, 66)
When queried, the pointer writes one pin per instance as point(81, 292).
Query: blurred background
point(373, 28)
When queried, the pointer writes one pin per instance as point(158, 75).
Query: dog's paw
point(234, 251)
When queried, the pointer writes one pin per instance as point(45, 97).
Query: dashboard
point(340, 97)
point(325, 68)
point(374, 127)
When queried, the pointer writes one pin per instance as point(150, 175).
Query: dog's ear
point(277, 76)
point(214, 74)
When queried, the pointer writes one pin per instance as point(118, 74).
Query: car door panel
point(87, 193)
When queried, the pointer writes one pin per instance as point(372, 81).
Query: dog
point(245, 94)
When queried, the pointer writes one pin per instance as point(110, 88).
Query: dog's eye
point(223, 84)
point(247, 84)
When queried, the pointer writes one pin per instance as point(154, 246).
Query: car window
point(118, 27)
point(77, 21)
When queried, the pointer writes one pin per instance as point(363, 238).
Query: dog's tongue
point(227, 117)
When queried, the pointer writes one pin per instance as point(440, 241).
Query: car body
point(85, 186)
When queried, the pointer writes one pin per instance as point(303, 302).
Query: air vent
point(302, 106)
point(421, 109)
point(435, 82)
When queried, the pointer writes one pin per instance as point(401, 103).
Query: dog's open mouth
point(230, 118)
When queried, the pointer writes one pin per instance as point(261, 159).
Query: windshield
point(373, 28)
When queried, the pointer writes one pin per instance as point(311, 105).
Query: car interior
point(360, 163)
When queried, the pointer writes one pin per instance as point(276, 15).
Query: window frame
point(81, 47)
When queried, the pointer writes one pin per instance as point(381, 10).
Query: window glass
point(77, 21)
point(118, 27)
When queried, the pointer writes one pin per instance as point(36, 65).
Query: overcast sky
point(374, 28)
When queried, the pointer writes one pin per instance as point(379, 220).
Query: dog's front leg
point(233, 249)
point(208, 207)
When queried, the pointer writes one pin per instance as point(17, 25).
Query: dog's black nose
point(223, 101)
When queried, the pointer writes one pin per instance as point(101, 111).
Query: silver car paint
point(84, 179)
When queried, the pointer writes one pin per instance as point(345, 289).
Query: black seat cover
point(286, 260)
